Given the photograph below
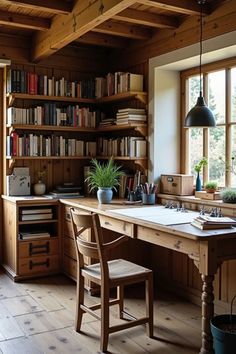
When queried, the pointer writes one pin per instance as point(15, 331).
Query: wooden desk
point(208, 249)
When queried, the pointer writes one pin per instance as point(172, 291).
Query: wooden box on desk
point(209, 196)
point(177, 184)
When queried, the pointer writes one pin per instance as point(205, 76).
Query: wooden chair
point(107, 274)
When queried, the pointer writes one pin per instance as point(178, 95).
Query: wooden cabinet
point(31, 240)
point(69, 261)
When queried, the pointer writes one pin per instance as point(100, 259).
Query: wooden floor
point(38, 316)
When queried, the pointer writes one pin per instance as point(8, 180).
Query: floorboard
point(37, 317)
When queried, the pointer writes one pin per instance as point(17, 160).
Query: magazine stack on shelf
point(205, 222)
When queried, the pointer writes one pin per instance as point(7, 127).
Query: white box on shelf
point(18, 185)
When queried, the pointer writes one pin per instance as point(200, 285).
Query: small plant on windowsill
point(229, 195)
point(211, 186)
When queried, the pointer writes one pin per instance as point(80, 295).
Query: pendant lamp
point(200, 115)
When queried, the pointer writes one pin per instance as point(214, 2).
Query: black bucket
point(223, 329)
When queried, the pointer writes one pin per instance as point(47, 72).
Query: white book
point(36, 211)
point(31, 217)
point(140, 148)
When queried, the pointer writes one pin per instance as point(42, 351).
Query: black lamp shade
point(200, 116)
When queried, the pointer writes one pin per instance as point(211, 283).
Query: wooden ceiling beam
point(187, 7)
point(123, 30)
point(146, 18)
point(51, 6)
point(103, 40)
point(86, 15)
point(23, 21)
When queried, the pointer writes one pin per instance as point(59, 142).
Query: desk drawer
point(36, 248)
point(35, 265)
point(67, 212)
point(119, 226)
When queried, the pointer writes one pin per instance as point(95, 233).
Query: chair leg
point(149, 304)
point(79, 301)
point(104, 317)
point(120, 296)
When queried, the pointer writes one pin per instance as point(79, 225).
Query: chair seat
point(118, 269)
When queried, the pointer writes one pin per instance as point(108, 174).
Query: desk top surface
point(154, 217)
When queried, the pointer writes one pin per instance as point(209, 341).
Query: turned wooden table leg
point(207, 313)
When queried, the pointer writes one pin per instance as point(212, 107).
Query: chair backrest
point(95, 250)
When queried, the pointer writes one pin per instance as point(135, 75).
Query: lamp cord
point(201, 24)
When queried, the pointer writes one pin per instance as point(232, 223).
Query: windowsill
point(193, 200)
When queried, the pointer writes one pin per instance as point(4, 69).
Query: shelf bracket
point(141, 130)
point(141, 98)
point(142, 164)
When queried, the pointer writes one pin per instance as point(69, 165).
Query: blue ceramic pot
point(104, 195)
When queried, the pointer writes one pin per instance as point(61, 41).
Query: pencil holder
point(148, 198)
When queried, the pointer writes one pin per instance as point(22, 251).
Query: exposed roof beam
point(146, 19)
point(22, 21)
point(102, 40)
point(85, 16)
point(51, 6)
point(187, 7)
point(123, 30)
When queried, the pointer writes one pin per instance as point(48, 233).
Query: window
point(218, 144)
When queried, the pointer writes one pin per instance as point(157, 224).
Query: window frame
point(226, 64)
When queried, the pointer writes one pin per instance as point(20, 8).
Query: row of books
point(126, 146)
point(57, 145)
point(204, 222)
point(53, 145)
point(49, 114)
point(31, 83)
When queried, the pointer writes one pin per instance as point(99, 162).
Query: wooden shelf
point(49, 157)
point(31, 222)
point(52, 127)
point(141, 96)
point(123, 158)
point(24, 96)
point(142, 128)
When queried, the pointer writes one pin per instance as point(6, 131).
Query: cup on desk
point(149, 198)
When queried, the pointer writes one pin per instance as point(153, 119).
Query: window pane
point(233, 95)
point(193, 93)
point(196, 147)
point(233, 154)
point(217, 155)
point(216, 95)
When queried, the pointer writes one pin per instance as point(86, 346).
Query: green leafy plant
point(198, 167)
point(104, 175)
point(229, 195)
point(211, 185)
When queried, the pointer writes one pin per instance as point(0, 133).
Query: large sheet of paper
point(158, 214)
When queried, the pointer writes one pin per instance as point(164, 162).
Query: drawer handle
point(39, 249)
point(68, 216)
point(36, 264)
point(107, 223)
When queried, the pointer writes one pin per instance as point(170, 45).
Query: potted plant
point(223, 328)
point(229, 195)
point(104, 177)
point(198, 168)
point(211, 186)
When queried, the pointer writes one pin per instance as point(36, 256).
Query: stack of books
point(131, 115)
point(30, 235)
point(36, 214)
point(205, 222)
